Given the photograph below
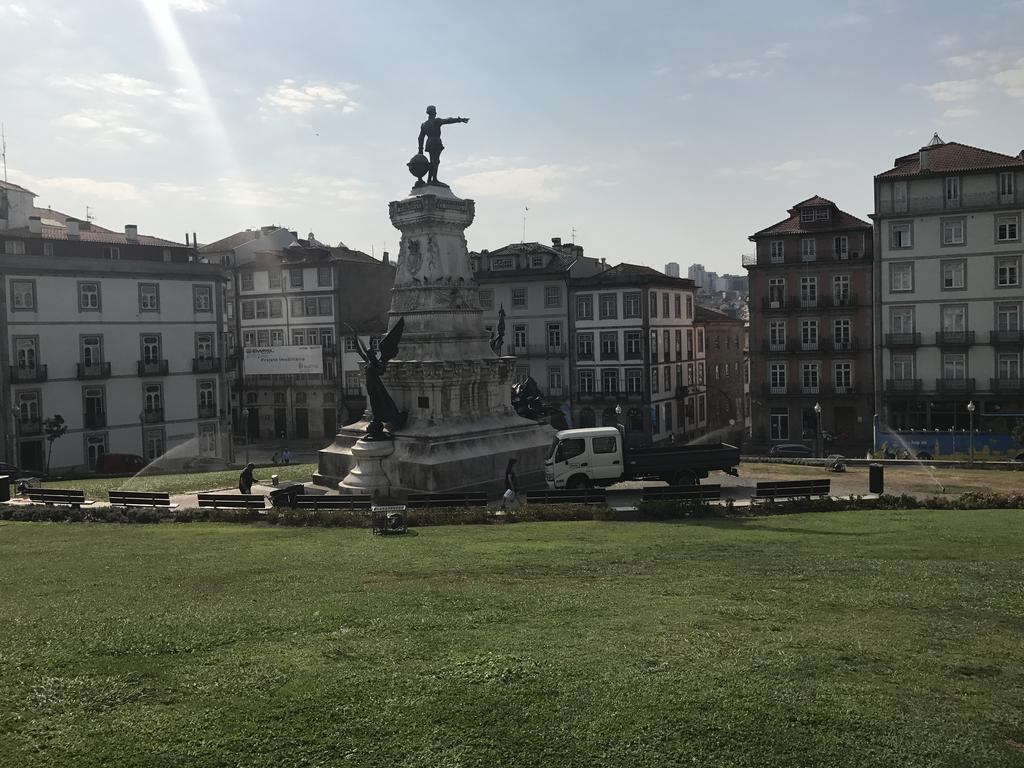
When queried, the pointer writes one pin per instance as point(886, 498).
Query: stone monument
point(453, 391)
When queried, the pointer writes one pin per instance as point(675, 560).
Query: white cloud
point(288, 96)
point(1011, 80)
point(538, 183)
point(112, 83)
point(195, 6)
point(785, 170)
point(746, 69)
point(958, 113)
point(104, 190)
point(952, 90)
point(111, 125)
point(777, 51)
point(485, 162)
point(13, 13)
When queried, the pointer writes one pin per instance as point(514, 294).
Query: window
point(552, 296)
point(248, 309)
point(89, 297)
point(776, 292)
point(1006, 187)
point(632, 342)
point(554, 381)
point(667, 375)
point(202, 298)
point(631, 305)
point(668, 416)
point(554, 331)
point(154, 448)
point(689, 306)
point(95, 447)
point(700, 341)
point(665, 304)
point(274, 278)
point(605, 444)
point(275, 307)
point(112, 252)
point(841, 290)
point(153, 398)
point(654, 304)
point(655, 388)
point(208, 439)
point(519, 297)
point(1008, 272)
point(841, 247)
point(609, 306)
point(149, 297)
point(808, 291)
point(953, 275)
point(842, 330)
point(295, 277)
point(901, 276)
point(779, 424)
point(1008, 366)
point(486, 298)
point(585, 346)
point(585, 307)
point(954, 318)
point(666, 344)
point(262, 309)
point(277, 337)
point(14, 247)
point(519, 337)
point(809, 375)
point(842, 376)
point(151, 349)
point(808, 249)
point(230, 310)
point(809, 334)
point(204, 346)
point(654, 346)
point(634, 380)
point(47, 249)
point(776, 335)
point(1007, 317)
point(586, 381)
point(1007, 229)
point(777, 251)
point(679, 344)
point(609, 345)
point(777, 378)
point(207, 397)
point(689, 343)
point(537, 261)
point(324, 276)
point(952, 231)
point(954, 366)
point(23, 295)
point(677, 306)
point(953, 192)
point(26, 349)
point(610, 381)
point(502, 262)
point(902, 235)
point(246, 280)
point(902, 366)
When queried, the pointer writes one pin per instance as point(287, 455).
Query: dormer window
point(502, 262)
point(537, 261)
point(809, 215)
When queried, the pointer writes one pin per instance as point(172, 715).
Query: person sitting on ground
point(245, 479)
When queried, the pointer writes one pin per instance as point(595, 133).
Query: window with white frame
point(585, 378)
point(324, 278)
point(207, 439)
point(777, 251)
point(809, 335)
point(1008, 271)
point(665, 302)
point(902, 366)
point(204, 346)
point(655, 385)
point(902, 235)
point(841, 290)
point(666, 373)
point(609, 380)
point(585, 307)
point(295, 277)
point(841, 247)
point(654, 303)
point(776, 292)
point(552, 296)
point(277, 337)
point(202, 298)
point(777, 335)
point(842, 330)
point(1008, 366)
point(631, 305)
point(486, 298)
point(275, 307)
point(609, 306)
point(154, 444)
point(1006, 187)
point(689, 306)
point(842, 376)
point(779, 424)
point(777, 378)
point(274, 278)
point(95, 447)
point(23, 295)
point(150, 348)
point(901, 276)
point(519, 336)
point(609, 345)
point(952, 192)
point(246, 277)
point(954, 275)
point(153, 398)
point(519, 298)
point(500, 263)
point(149, 297)
point(554, 381)
point(899, 196)
point(585, 346)
point(809, 377)
point(677, 305)
point(26, 350)
point(952, 231)
point(808, 291)
point(634, 380)
point(954, 318)
point(808, 249)
point(88, 297)
point(1007, 229)
point(554, 332)
point(1008, 317)
point(633, 344)
point(954, 366)
point(112, 252)
point(207, 396)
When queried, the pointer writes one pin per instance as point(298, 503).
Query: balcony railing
point(844, 345)
point(1006, 337)
point(152, 416)
point(902, 386)
point(775, 346)
point(152, 367)
point(807, 303)
point(205, 364)
point(93, 371)
point(1007, 386)
point(849, 300)
point(840, 389)
point(207, 411)
point(778, 304)
point(30, 427)
point(556, 391)
point(954, 338)
point(329, 347)
point(955, 386)
point(807, 390)
point(353, 391)
point(937, 203)
point(903, 339)
point(94, 419)
point(26, 375)
point(772, 389)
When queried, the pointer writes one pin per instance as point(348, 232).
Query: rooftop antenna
point(89, 216)
point(574, 235)
point(526, 209)
point(3, 149)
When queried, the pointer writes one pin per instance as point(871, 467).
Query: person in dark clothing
point(245, 479)
point(511, 484)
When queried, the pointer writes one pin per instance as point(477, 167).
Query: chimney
point(72, 227)
point(131, 233)
point(556, 242)
point(387, 259)
point(35, 225)
point(195, 243)
point(295, 235)
point(922, 159)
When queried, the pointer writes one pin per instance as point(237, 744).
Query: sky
point(647, 132)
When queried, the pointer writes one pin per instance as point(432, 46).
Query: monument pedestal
point(461, 428)
point(368, 475)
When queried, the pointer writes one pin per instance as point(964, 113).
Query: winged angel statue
point(381, 405)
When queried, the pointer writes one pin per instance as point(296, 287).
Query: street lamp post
point(970, 421)
point(142, 435)
point(245, 418)
point(817, 413)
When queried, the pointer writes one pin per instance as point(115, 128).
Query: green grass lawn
point(96, 488)
point(848, 639)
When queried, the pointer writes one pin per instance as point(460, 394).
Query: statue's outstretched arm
point(450, 120)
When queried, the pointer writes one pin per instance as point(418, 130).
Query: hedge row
point(656, 510)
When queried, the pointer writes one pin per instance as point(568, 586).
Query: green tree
point(53, 427)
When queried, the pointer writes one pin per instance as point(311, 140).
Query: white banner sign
point(265, 361)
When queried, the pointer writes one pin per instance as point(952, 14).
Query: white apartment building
point(949, 311)
point(118, 333)
point(636, 346)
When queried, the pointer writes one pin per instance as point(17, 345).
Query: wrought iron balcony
point(153, 416)
point(30, 427)
point(839, 389)
point(955, 386)
point(205, 364)
point(1007, 386)
point(847, 300)
point(207, 411)
point(903, 339)
point(27, 375)
point(777, 304)
point(1006, 337)
point(845, 345)
point(770, 390)
point(93, 371)
point(152, 367)
point(954, 338)
point(902, 386)
point(94, 419)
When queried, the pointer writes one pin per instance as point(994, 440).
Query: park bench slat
point(232, 500)
point(140, 499)
point(68, 496)
point(771, 489)
point(683, 493)
point(417, 500)
point(332, 502)
point(568, 496)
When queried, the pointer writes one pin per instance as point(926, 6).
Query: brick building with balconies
point(811, 328)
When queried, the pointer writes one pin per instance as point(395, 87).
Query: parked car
point(205, 464)
point(119, 464)
point(791, 450)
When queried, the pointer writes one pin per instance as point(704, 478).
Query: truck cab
point(584, 457)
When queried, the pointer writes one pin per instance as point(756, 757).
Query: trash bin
point(285, 497)
point(876, 478)
point(5, 488)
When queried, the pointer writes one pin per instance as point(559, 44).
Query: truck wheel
point(684, 477)
point(578, 483)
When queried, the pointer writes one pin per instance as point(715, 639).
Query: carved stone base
point(368, 475)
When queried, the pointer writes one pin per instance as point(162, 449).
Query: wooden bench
point(683, 493)
point(568, 496)
point(326, 502)
point(67, 496)
point(791, 489)
point(253, 501)
point(140, 499)
point(419, 500)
